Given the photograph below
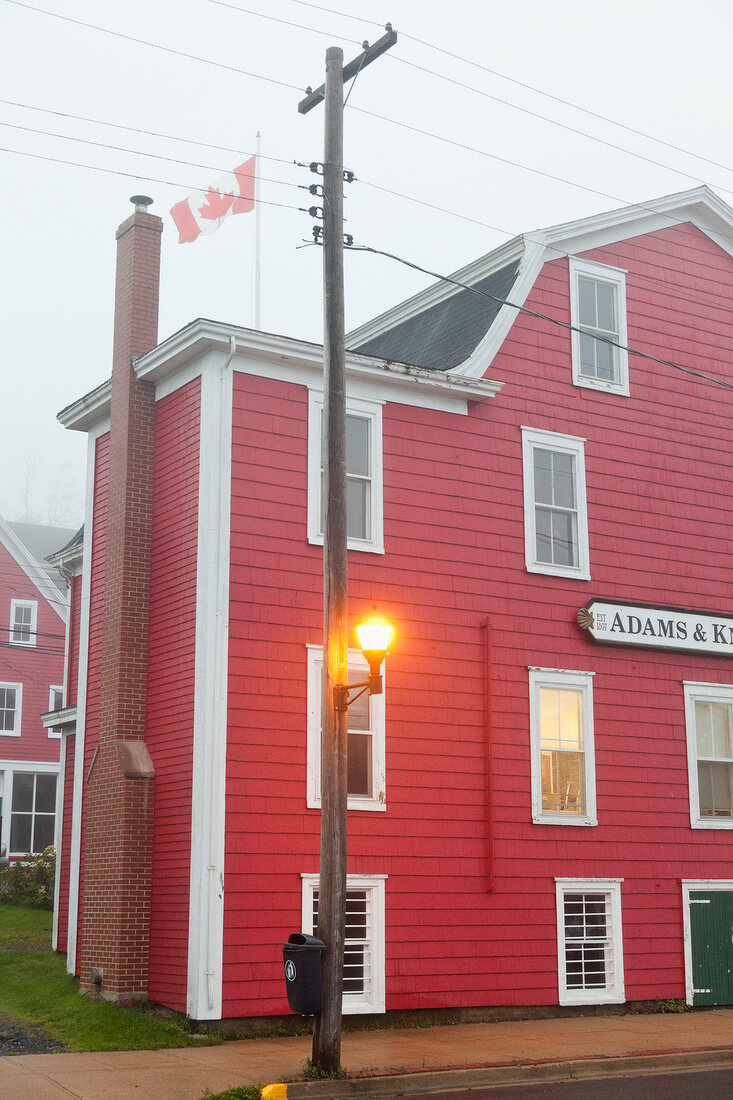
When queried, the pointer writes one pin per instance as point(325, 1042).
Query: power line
point(136, 152)
point(541, 316)
point(284, 22)
point(156, 46)
point(128, 175)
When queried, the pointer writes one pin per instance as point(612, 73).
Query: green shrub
point(30, 881)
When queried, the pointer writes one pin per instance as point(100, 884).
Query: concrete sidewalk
point(380, 1062)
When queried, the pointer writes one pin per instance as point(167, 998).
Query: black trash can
point(302, 962)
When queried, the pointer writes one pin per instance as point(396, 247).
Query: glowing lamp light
point(374, 632)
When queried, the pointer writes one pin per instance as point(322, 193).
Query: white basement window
point(590, 944)
point(364, 947)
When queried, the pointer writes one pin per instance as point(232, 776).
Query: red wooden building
point(32, 678)
point(541, 497)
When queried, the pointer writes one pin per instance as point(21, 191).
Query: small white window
point(598, 309)
point(55, 702)
point(589, 941)
point(364, 525)
point(366, 737)
point(364, 948)
point(563, 760)
point(555, 512)
point(11, 703)
point(23, 617)
point(709, 720)
point(32, 812)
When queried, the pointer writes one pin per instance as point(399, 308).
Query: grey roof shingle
point(446, 333)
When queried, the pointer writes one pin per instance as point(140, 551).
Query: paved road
point(676, 1086)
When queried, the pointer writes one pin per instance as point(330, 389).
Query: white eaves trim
point(34, 571)
point(178, 359)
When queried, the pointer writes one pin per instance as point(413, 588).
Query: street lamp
point(374, 632)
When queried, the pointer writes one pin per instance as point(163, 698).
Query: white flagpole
point(257, 310)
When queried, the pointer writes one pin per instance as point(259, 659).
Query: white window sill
point(558, 571)
point(593, 997)
point(564, 819)
point(712, 823)
point(605, 387)
point(352, 544)
point(9, 733)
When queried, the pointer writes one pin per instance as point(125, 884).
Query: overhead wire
point(541, 316)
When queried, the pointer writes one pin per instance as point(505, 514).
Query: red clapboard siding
point(170, 694)
point(660, 504)
point(75, 586)
point(65, 853)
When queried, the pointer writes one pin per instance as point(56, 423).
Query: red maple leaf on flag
point(218, 205)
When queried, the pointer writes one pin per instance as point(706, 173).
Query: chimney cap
point(141, 202)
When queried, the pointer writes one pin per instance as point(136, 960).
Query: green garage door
point(711, 927)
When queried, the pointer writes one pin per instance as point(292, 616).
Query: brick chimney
point(119, 783)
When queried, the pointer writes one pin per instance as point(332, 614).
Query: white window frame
point(8, 768)
point(572, 681)
point(535, 438)
point(16, 730)
point(378, 800)
point(615, 992)
point(354, 1004)
point(15, 605)
point(704, 693)
point(368, 410)
point(615, 277)
point(54, 732)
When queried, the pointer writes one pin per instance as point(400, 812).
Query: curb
point(422, 1082)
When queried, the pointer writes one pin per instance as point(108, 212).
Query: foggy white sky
point(658, 66)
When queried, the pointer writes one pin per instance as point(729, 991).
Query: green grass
point(247, 1092)
point(24, 926)
point(35, 988)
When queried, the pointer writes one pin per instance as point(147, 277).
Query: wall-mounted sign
point(658, 627)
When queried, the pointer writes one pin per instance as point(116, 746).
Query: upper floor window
point(709, 719)
point(55, 702)
point(11, 698)
point(555, 513)
point(23, 617)
point(598, 309)
point(364, 947)
point(563, 759)
point(366, 738)
point(364, 527)
point(590, 946)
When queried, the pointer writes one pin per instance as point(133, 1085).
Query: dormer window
point(598, 314)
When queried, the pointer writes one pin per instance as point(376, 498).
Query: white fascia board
point(437, 292)
point(480, 359)
point(84, 414)
point(34, 571)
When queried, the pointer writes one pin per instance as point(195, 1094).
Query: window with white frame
point(555, 512)
point(709, 721)
point(23, 618)
point(32, 812)
point(563, 759)
point(55, 702)
point(11, 703)
point(364, 946)
point(598, 314)
point(364, 525)
point(366, 737)
point(589, 941)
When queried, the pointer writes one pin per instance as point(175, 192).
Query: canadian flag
point(204, 211)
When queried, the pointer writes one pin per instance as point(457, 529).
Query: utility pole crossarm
point(369, 54)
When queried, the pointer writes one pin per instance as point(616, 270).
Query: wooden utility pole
point(332, 881)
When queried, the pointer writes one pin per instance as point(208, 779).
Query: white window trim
point(566, 444)
point(376, 713)
point(33, 604)
point(54, 732)
point(707, 693)
point(577, 681)
point(371, 410)
point(616, 993)
point(355, 1004)
point(7, 773)
point(16, 731)
point(617, 278)
point(693, 886)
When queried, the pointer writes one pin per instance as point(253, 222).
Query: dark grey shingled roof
point(445, 334)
